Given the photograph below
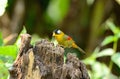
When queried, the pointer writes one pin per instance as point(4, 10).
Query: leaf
point(9, 50)
point(19, 38)
point(92, 59)
point(23, 30)
point(118, 35)
point(107, 40)
point(110, 76)
point(106, 52)
point(6, 59)
point(112, 27)
point(3, 71)
point(100, 70)
point(116, 59)
point(35, 38)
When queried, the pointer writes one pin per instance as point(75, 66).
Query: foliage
point(101, 70)
point(116, 58)
point(7, 55)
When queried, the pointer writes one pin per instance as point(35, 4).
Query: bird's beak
point(53, 34)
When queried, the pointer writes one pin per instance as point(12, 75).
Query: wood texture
point(45, 61)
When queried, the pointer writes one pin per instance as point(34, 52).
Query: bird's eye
point(58, 31)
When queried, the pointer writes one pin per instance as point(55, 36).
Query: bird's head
point(57, 33)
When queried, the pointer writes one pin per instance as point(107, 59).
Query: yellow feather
point(62, 40)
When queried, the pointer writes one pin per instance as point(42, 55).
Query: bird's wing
point(68, 41)
point(66, 38)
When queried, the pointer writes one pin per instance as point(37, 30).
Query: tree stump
point(44, 60)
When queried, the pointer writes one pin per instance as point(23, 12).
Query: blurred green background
point(93, 24)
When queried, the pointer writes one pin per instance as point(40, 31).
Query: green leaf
point(118, 35)
point(10, 50)
point(92, 59)
point(107, 40)
point(3, 71)
point(105, 52)
point(35, 38)
point(116, 59)
point(112, 27)
point(100, 70)
point(6, 58)
point(111, 76)
point(24, 31)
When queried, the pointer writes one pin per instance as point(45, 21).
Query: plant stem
point(115, 45)
point(110, 66)
point(115, 49)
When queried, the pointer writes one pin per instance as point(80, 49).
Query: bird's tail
point(75, 46)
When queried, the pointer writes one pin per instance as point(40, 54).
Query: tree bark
point(44, 60)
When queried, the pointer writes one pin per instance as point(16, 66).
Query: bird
point(65, 40)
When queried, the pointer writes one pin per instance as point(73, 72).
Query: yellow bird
point(65, 40)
